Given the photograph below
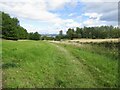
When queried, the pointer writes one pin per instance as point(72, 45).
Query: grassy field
point(31, 64)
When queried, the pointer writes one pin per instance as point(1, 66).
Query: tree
point(93, 32)
point(34, 36)
point(22, 33)
point(57, 38)
point(70, 33)
point(79, 32)
point(60, 34)
point(11, 28)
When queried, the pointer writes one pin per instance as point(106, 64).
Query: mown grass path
point(79, 69)
point(101, 62)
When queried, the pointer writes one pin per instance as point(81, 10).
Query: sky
point(51, 16)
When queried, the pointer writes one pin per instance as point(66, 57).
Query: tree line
point(101, 32)
point(11, 29)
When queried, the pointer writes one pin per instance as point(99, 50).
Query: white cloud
point(30, 10)
point(98, 13)
point(35, 10)
point(73, 24)
point(101, 12)
point(93, 15)
point(93, 20)
point(107, 9)
point(42, 30)
point(92, 23)
point(56, 4)
point(31, 28)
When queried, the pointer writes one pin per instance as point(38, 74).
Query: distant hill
point(49, 35)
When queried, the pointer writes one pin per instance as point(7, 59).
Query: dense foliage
point(93, 32)
point(34, 36)
point(12, 30)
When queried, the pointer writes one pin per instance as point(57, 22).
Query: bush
point(57, 38)
point(11, 38)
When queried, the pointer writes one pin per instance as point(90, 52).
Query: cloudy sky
point(51, 16)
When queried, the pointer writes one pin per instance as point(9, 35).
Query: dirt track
point(76, 41)
point(94, 40)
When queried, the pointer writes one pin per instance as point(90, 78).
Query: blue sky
point(51, 16)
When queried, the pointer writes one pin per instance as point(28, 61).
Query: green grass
point(101, 62)
point(38, 64)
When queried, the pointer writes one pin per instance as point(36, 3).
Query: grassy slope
point(40, 64)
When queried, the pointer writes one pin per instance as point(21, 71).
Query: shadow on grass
point(9, 65)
